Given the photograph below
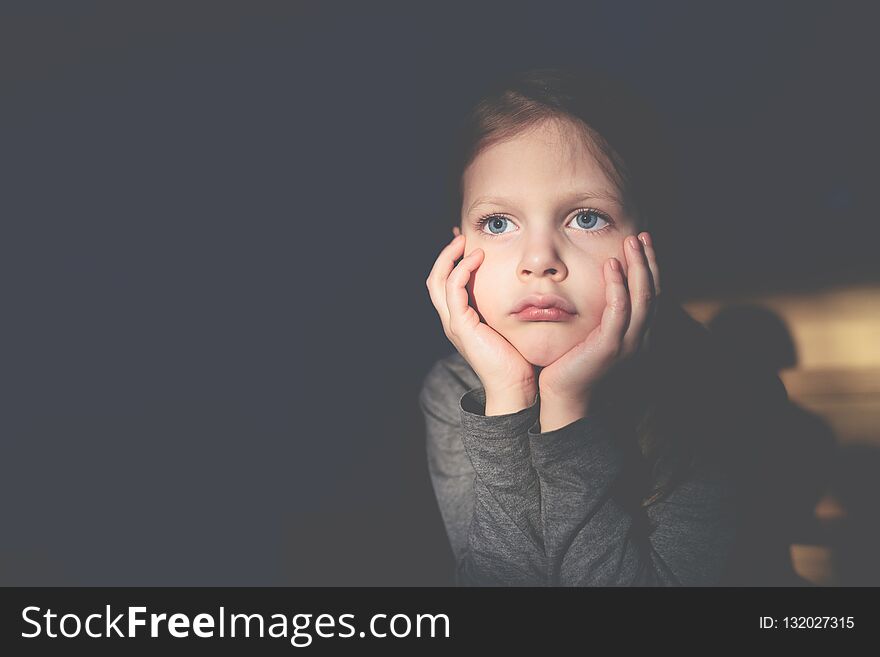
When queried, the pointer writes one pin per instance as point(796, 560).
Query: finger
point(646, 335)
point(456, 291)
point(444, 263)
point(443, 266)
point(651, 257)
point(456, 231)
point(615, 317)
point(641, 293)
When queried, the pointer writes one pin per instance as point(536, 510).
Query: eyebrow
point(572, 198)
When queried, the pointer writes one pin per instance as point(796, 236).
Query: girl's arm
point(591, 541)
point(505, 540)
point(486, 488)
point(523, 507)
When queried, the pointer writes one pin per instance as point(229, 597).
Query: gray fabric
point(525, 508)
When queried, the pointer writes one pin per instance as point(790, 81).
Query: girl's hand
point(568, 381)
point(503, 371)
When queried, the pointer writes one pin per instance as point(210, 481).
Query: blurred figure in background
point(787, 466)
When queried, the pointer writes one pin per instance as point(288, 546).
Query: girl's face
point(553, 219)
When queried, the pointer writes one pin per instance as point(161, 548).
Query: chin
point(541, 343)
point(541, 354)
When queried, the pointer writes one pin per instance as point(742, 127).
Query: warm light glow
point(833, 328)
point(837, 336)
point(836, 333)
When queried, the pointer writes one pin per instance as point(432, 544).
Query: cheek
point(591, 293)
point(476, 287)
point(593, 303)
point(485, 291)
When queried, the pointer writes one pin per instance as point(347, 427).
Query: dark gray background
point(217, 224)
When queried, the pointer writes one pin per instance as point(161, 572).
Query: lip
point(535, 314)
point(544, 307)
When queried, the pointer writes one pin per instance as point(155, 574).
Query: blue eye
point(595, 215)
point(498, 222)
point(495, 222)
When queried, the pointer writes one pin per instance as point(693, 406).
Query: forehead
point(549, 159)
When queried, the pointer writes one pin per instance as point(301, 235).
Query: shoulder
point(446, 381)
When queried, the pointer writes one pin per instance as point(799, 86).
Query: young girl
point(581, 433)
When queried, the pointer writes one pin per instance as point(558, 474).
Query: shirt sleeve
point(526, 508)
point(450, 469)
point(590, 540)
point(492, 512)
point(505, 542)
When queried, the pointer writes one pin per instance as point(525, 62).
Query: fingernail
point(634, 244)
point(646, 239)
point(614, 264)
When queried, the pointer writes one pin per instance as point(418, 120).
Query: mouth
point(536, 314)
point(544, 308)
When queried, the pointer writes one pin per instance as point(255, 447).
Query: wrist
point(557, 412)
point(510, 400)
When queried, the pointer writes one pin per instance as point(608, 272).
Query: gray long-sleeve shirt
point(523, 507)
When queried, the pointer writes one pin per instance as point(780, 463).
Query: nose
point(540, 260)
